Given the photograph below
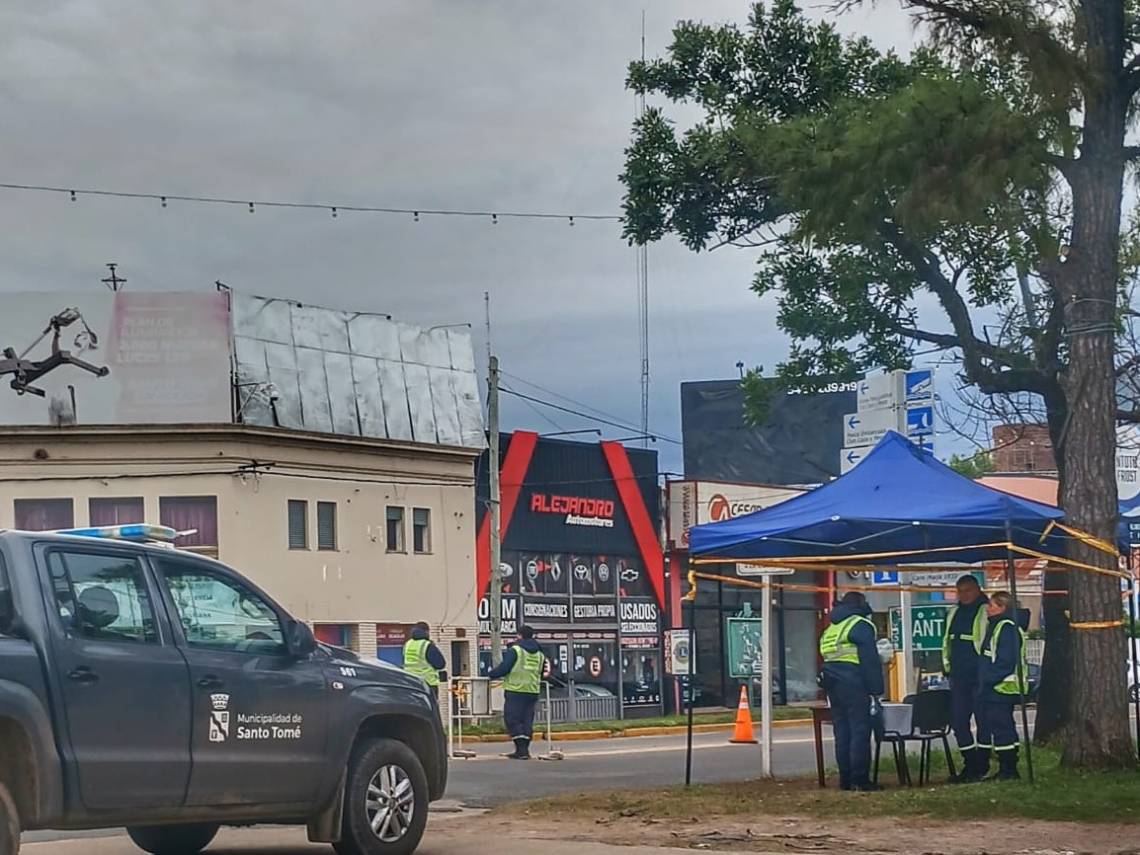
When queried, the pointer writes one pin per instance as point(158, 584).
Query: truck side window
point(221, 614)
point(102, 597)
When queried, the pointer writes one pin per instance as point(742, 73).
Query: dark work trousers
point(518, 714)
point(998, 713)
point(851, 717)
point(965, 706)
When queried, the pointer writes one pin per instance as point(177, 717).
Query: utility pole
point(496, 593)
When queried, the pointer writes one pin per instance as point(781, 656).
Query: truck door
point(260, 715)
point(125, 685)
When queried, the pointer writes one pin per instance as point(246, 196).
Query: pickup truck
point(153, 689)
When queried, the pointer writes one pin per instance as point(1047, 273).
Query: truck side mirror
point(300, 641)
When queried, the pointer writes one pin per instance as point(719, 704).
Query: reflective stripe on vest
point(526, 675)
point(834, 644)
point(415, 661)
point(1010, 684)
point(977, 636)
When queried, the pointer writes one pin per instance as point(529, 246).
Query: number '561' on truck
point(153, 689)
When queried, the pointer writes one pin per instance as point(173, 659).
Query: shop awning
point(899, 506)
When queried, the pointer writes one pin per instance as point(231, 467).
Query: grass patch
point(1058, 795)
point(495, 726)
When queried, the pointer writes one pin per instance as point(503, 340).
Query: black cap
point(526, 632)
point(854, 598)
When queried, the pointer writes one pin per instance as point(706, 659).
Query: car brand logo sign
point(630, 574)
point(532, 570)
point(581, 572)
point(603, 572)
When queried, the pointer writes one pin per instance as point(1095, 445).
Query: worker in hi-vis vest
point(521, 673)
point(1002, 681)
point(422, 658)
point(961, 657)
point(853, 679)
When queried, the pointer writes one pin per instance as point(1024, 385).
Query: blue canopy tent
point(899, 506)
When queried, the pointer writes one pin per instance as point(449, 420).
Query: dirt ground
point(783, 835)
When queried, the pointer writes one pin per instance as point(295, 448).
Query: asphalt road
point(602, 764)
point(607, 764)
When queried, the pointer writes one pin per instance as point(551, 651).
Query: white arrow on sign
point(869, 427)
point(880, 392)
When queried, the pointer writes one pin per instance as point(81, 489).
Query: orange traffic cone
point(742, 734)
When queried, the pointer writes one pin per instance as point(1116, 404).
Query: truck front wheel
point(173, 839)
point(385, 800)
point(9, 823)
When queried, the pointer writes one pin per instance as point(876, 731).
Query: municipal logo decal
point(219, 717)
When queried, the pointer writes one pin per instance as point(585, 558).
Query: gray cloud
point(418, 103)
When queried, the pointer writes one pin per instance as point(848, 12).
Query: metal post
point(1133, 591)
point(692, 670)
point(766, 681)
point(496, 593)
point(451, 702)
point(907, 641)
point(1011, 573)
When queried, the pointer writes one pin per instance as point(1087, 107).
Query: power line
point(582, 415)
point(334, 208)
point(563, 397)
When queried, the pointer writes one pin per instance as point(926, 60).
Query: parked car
point(158, 690)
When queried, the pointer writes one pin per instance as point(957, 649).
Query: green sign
point(743, 649)
point(927, 624)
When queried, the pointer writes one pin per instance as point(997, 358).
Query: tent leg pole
point(1134, 590)
point(1011, 573)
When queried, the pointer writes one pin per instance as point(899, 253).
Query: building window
point(326, 526)
point(298, 524)
point(117, 511)
point(44, 514)
point(195, 515)
point(396, 530)
point(421, 530)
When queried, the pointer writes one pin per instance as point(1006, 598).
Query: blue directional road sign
point(919, 422)
point(919, 385)
point(885, 577)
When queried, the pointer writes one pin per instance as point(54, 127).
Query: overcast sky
point(487, 104)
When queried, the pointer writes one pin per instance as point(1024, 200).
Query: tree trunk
point(1098, 734)
point(1056, 668)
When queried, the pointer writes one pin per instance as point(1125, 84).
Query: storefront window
point(640, 674)
point(594, 668)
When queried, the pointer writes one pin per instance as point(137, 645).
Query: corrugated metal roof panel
point(355, 374)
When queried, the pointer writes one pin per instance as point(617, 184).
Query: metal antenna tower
point(643, 290)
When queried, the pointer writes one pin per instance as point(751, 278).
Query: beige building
point(361, 537)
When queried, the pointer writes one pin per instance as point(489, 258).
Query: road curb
point(635, 732)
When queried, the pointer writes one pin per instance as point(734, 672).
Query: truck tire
point(173, 839)
point(9, 823)
point(385, 800)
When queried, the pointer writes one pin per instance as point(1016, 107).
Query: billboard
point(148, 358)
point(799, 443)
point(354, 374)
point(698, 502)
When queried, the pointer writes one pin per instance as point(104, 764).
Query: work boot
point(963, 774)
point(981, 767)
point(866, 787)
point(1007, 766)
point(517, 753)
point(522, 749)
